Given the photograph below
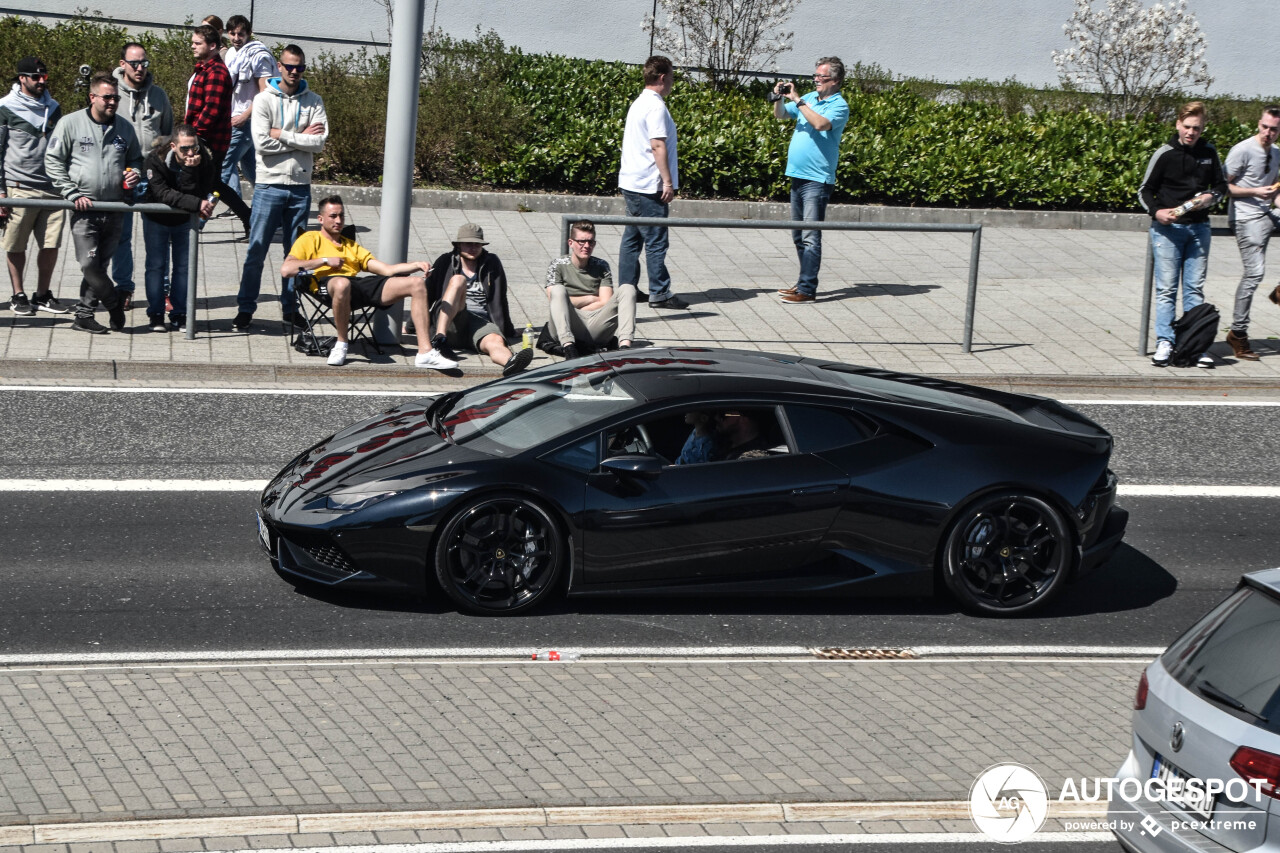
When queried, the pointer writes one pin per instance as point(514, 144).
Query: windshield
point(1230, 657)
point(516, 414)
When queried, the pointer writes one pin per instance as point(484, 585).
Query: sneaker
point(338, 355)
point(642, 295)
point(1206, 361)
point(48, 302)
point(1164, 351)
point(798, 298)
point(571, 351)
point(672, 301)
point(433, 359)
point(517, 362)
point(86, 323)
point(157, 323)
point(178, 323)
point(21, 305)
point(242, 321)
point(294, 320)
point(117, 318)
point(440, 344)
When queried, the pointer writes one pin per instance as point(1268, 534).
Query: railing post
point(1148, 276)
point(564, 232)
point(193, 263)
point(975, 250)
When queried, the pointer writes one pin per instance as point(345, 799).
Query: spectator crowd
point(249, 116)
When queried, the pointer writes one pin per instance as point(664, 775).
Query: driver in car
point(739, 434)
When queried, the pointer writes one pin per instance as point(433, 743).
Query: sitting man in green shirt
point(586, 310)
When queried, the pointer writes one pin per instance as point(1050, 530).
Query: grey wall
point(945, 39)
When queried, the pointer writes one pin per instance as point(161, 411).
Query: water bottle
point(211, 197)
point(527, 340)
point(564, 657)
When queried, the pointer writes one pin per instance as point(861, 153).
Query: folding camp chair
point(316, 307)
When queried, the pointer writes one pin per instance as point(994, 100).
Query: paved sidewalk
point(320, 751)
point(1061, 306)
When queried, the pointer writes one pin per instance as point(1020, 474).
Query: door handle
point(824, 489)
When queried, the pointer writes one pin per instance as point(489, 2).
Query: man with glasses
point(586, 311)
point(28, 115)
point(1252, 169)
point(648, 177)
point(250, 64)
point(93, 156)
point(147, 108)
point(820, 117)
point(209, 108)
point(290, 127)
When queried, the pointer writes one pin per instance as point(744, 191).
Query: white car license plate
point(264, 534)
point(1193, 799)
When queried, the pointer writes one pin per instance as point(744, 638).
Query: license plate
point(264, 533)
point(1176, 792)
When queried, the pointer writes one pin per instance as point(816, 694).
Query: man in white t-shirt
point(251, 65)
point(649, 177)
point(1252, 167)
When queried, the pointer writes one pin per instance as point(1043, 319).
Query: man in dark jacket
point(182, 174)
point(467, 289)
point(1184, 179)
point(209, 108)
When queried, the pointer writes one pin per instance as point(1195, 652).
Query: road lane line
point(268, 392)
point(1192, 491)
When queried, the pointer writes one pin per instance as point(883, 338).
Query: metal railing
point(193, 256)
point(975, 244)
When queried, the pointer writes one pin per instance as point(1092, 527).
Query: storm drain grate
point(865, 654)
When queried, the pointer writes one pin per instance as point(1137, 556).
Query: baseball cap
point(32, 65)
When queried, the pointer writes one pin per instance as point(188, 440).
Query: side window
point(724, 432)
point(816, 429)
point(582, 456)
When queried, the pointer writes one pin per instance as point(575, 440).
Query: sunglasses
point(135, 64)
point(298, 69)
point(108, 98)
point(36, 78)
point(189, 149)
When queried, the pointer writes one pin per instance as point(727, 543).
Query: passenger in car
point(700, 446)
point(739, 432)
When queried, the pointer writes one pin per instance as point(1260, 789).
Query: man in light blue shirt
point(820, 117)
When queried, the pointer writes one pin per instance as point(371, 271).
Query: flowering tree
point(1132, 54)
point(722, 36)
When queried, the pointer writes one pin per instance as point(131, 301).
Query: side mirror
point(633, 467)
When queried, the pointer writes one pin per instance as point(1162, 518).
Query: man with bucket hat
point(467, 289)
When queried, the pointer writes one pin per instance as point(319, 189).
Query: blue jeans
point(808, 204)
point(240, 154)
point(285, 207)
point(122, 260)
point(1180, 252)
point(652, 238)
point(165, 243)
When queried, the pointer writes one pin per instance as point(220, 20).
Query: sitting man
point(586, 311)
point(337, 260)
point(468, 288)
point(740, 435)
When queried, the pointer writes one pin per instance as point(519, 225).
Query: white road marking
point(266, 392)
point(1183, 403)
point(1190, 491)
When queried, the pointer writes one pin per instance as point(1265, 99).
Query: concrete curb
point(252, 825)
point(535, 202)
point(362, 376)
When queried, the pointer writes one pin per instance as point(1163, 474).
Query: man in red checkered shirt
point(209, 108)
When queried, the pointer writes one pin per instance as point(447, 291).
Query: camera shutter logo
point(1008, 803)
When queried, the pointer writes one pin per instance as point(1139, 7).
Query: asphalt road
point(110, 572)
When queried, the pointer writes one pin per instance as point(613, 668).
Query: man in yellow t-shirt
point(339, 261)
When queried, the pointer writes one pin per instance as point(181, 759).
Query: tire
point(1007, 554)
point(499, 555)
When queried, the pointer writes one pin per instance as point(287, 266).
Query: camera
point(783, 89)
point(86, 70)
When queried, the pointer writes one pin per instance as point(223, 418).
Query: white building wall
point(948, 40)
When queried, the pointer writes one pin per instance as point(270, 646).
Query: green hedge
point(490, 117)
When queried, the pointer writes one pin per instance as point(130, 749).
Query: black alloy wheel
point(499, 555)
point(1007, 554)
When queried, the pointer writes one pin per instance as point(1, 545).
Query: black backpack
point(1194, 332)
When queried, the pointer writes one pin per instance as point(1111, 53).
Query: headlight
point(351, 501)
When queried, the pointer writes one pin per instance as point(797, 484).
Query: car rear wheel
point(1007, 554)
point(499, 555)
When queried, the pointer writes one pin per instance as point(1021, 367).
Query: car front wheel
point(499, 555)
point(1007, 555)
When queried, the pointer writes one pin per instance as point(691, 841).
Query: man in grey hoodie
point(290, 127)
point(28, 115)
point(93, 156)
point(145, 106)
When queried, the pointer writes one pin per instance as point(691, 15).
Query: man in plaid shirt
point(209, 108)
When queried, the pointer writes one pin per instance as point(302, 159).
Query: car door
point(714, 521)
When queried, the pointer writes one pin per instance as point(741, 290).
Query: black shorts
point(366, 290)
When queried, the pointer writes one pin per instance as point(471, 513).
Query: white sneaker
point(1164, 351)
point(432, 358)
point(1206, 361)
point(338, 355)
